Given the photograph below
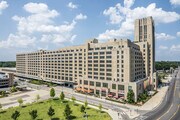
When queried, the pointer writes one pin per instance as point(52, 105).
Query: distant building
point(6, 80)
point(105, 69)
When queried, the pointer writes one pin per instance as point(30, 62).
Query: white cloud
point(3, 5)
point(39, 20)
point(178, 34)
point(158, 14)
point(128, 3)
point(175, 2)
point(164, 36)
point(17, 41)
point(124, 17)
point(57, 38)
point(39, 23)
point(175, 48)
point(80, 17)
point(163, 47)
point(71, 5)
point(114, 14)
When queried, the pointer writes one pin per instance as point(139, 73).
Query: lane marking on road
point(165, 113)
point(175, 88)
point(175, 112)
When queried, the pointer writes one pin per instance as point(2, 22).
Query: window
point(95, 69)
point(95, 73)
point(108, 52)
point(108, 78)
point(103, 48)
point(91, 83)
point(120, 87)
point(129, 87)
point(95, 53)
point(108, 65)
point(108, 74)
point(110, 47)
point(101, 57)
point(144, 46)
point(105, 85)
point(101, 65)
point(101, 53)
point(108, 56)
point(114, 86)
point(145, 29)
point(101, 73)
point(98, 84)
point(96, 48)
point(85, 82)
point(108, 61)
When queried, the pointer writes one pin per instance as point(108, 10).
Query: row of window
point(99, 84)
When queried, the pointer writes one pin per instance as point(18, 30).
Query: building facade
point(6, 80)
point(110, 68)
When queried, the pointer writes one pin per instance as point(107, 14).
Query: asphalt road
point(169, 109)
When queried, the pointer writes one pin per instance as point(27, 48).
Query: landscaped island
point(59, 110)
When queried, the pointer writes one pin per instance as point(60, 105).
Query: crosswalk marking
point(123, 113)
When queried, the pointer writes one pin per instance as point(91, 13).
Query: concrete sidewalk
point(28, 97)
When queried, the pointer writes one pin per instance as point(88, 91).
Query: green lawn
point(43, 107)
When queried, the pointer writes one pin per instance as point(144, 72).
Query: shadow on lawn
point(24, 106)
point(40, 102)
point(55, 119)
point(65, 101)
point(2, 112)
point(76, 104)
point(73, 117)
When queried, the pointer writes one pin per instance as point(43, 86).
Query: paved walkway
point(28, 97)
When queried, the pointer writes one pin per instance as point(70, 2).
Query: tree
point(52, 92)
point(82, 109)
point(50, 112)
point(3, 93)
point(67, 112)
point(33, 114)
point(15, 115)
point(37, 97)
point(73, 99)
point(130, 96)
point(86, 104)
point(100, 107)
point(62, 96)
point(20, 101)
point(13, 89)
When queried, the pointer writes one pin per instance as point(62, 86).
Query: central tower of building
point(144, 37)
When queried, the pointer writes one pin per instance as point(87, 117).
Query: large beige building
point(110, 68)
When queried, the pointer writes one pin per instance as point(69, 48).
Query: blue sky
point(30, 25)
